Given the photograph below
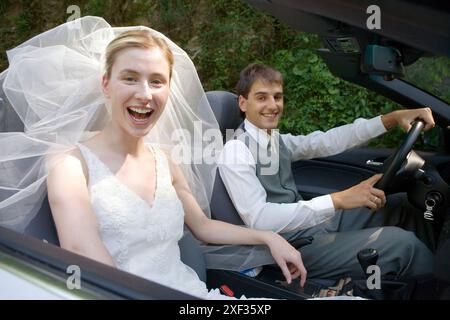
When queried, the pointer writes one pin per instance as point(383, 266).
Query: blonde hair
point(138, 39)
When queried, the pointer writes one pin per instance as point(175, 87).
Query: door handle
point(374, 163)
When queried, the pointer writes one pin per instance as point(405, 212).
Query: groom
point(342, 223)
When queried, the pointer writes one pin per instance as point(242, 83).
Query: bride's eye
point(156, 83)
point(130, 79)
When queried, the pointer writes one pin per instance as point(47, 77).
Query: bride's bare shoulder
point(69, 163)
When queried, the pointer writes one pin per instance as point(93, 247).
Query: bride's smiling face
point(138, 89)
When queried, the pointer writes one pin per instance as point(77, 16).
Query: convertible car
point(413, 36)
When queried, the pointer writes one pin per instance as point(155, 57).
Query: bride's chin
point(140, 132)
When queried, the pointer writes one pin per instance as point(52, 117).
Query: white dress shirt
point(238, 171)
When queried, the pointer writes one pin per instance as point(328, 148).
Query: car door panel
point(321, 176)
point(315, 177)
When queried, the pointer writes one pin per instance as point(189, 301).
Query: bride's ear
point(105, 83)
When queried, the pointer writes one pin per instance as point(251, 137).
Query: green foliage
point(235, 35)
point(4, 4)
point(175, 14)
point(317, 100)
point(431, 74)
point(96, 7)
point(23, 22)
point(222, 37)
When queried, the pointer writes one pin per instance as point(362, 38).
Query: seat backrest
point(226, 110)
point(192, 255)
point(222, 207)
point(42, 226)
point(228, 114)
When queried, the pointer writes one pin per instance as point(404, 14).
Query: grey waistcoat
point(279, 183)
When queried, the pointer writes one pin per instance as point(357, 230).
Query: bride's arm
point(219, 232)
point(75, 221)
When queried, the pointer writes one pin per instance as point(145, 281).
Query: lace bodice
point(142, 238)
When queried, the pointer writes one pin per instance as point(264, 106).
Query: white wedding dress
point(142, 238)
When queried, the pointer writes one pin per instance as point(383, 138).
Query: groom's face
point(264, 105)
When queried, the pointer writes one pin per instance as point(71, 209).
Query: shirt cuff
point(323, 207)
point(376, 126)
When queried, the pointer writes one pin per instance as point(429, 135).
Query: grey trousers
point(394, 231)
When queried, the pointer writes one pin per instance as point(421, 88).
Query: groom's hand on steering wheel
point(364, 194)
point(404, 118)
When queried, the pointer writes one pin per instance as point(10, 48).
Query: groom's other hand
point(404, 118)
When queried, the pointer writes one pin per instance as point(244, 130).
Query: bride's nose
point(144, 92)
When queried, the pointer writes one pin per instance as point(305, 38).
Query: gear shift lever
point(366, 258)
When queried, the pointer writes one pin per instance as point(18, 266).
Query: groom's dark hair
point(254, 72)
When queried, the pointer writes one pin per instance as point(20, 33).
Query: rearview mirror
point(381, 60)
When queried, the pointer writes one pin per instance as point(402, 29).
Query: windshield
point(431, 74)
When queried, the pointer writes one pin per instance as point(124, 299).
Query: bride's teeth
point(142, 111)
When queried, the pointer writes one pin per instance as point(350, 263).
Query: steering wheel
point(400, 156)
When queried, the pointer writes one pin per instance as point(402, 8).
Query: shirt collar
point(260, 135)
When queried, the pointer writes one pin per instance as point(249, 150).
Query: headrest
point(225, 107)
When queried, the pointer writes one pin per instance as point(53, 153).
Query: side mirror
point(381, 60)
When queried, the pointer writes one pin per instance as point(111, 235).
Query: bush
point(222, 37)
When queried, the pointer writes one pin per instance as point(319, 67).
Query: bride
point(116, 195)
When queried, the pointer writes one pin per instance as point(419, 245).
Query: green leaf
point(297, 70)
point(333, 91)
point(313, 59)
